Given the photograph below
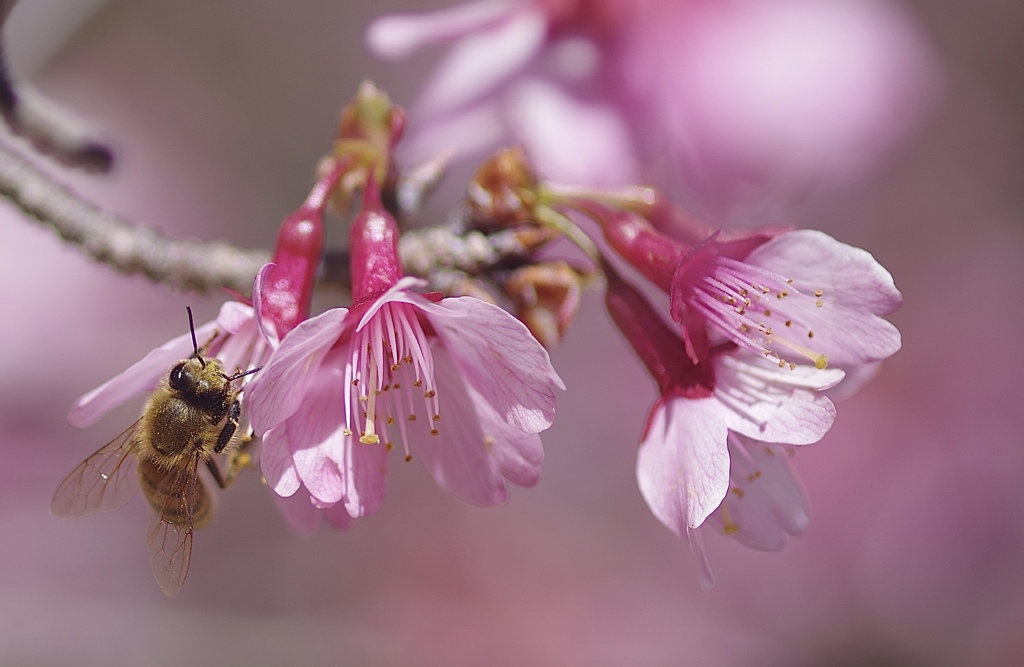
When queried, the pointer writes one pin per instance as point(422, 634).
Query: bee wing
point(102, 482)
point(169, 536)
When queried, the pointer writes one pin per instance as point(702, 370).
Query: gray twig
point(202, 266)
point(192, 265)
point(50, 129)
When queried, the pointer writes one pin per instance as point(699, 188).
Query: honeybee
point(193, 414)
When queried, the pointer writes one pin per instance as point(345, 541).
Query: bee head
point(196, 375)
point(199, 377)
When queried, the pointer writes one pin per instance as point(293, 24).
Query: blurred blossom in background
point(740, 105)
point(892, 126)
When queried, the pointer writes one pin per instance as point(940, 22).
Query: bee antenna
point(195, 343)
point(242, 374)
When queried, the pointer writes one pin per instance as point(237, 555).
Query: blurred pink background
point(218, 112)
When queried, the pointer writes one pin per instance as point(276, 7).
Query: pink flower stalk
point(457, 382)
point(243, 334)
point(683, 465)
point(742, 99)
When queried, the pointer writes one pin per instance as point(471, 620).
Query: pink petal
point(232, 317)
point(683, 462)
point(339, 517)
point(276, 462)
point(278, 389)
point(501, 360)
point(299, 512)
point(519, 455)
point(765, 502)
point(244, 349)
point(315, 435)
point(365, 471)
point(398, 35)
point(266, 325)
point(856, 290)
point(473, 129)
point(572, 141)
point(774, 404)
point(140, 378)
point(857, 376)
point(475, 448)
point(400, 292)
point(478, 63)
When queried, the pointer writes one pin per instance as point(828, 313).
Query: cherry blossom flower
point(683, 463)
point(458, 383)
point(768, 321)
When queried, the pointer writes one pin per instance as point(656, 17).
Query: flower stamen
point(728, 297)
point(369, 437)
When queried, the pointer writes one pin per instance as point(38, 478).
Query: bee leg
point(228, 432)
point(217, 477)
point(240, 458)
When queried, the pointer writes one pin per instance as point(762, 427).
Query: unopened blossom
point(683, 465)
point(455, 382)
point(742, 101)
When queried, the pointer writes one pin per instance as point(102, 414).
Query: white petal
point(774, 404)
point(765, 502)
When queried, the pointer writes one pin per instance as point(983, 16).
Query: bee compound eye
point(177, 376)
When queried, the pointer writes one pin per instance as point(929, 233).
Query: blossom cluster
point(757, 327)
